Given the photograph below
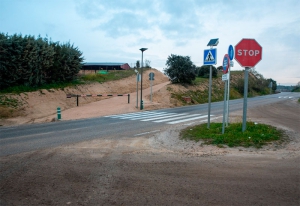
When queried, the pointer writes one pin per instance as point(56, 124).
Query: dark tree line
point(203, 71)
point(34, 61)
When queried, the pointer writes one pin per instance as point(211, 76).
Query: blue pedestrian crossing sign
point(210, 57)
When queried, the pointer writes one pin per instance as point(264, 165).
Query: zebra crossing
point(161, 117)
point(285, 97)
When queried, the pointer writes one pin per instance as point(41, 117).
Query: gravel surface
point(160, 169)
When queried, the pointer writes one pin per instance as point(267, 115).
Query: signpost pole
point(151, 89)
point(245, 98)
point(137, 90)
point(209, 97)
point(224, 107)
point(248, 54)
point(228, 90)
point(210, 58)
point(231, 55)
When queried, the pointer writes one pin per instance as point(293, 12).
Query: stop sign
point(248, 52)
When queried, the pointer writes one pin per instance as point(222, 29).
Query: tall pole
point(224, 107)
point(228, 96)
point(151, 89)
point(141, 103)
point(137, 89)
point(209, 97)
point(245, 98)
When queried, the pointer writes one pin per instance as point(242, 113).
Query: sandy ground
point(158, 169)
point(41, 106)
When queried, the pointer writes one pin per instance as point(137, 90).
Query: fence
point(96, 95)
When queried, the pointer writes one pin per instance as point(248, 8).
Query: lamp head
point(143, 49)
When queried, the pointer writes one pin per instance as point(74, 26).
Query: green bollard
point(142, 104)
point(58, 113)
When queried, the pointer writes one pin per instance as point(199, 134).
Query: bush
point(180, 69)
point(204, 71)
point(31, 61)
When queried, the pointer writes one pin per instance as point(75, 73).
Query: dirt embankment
point(36, 106)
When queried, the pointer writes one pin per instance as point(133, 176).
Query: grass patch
point(256, 135)
point(22, 88)
point(110, 76)
point(6, 101)
point(199, 80)
point(81, 79)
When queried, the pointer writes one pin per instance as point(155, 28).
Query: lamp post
point(141, 104)
point(137, 80)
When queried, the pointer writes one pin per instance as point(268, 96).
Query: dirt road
point(160, 170)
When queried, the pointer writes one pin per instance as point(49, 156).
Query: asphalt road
point(25, 138)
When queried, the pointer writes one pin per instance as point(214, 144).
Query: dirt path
point(114, 105)
point(159, 170)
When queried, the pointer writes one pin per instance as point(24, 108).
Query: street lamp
point(137, 94)
point(141, 104)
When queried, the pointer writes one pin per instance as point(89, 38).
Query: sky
point(115, 30)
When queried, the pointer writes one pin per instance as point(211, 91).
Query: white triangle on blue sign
point(209, 57)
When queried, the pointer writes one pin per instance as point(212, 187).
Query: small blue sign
point(230, 52)
point(226, 63)
point(210, 57)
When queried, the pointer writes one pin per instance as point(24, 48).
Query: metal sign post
point(226, 66)
point(231, 55)
point(245, 98)
point(209, 97)
point(210, 58)
point(151, 78)
point(248, 54)
point(224, 107)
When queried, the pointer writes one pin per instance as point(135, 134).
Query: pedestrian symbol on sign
point(209, 57)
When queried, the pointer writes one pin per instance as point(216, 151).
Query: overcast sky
point(115, 30)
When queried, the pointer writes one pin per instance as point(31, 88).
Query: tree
point(204, 71)
point(296, 88)
point(147, 63)
point(34, 61)
point(137, 64)
point(274, 84)
point(180, 69)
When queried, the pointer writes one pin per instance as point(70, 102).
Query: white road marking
point(170, 119)
point(189, 119)
point(165, 116)
point(159, 117)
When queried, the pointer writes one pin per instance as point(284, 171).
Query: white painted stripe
point(147, 132)
point(189, 119)
point(129, 114)
point(116, 115)
point(170, 119)
point(135, 117)
point(162, 117)
point(150, 116)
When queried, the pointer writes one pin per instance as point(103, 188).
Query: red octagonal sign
point(248, 52)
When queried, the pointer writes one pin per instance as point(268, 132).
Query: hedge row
point(34, 61)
